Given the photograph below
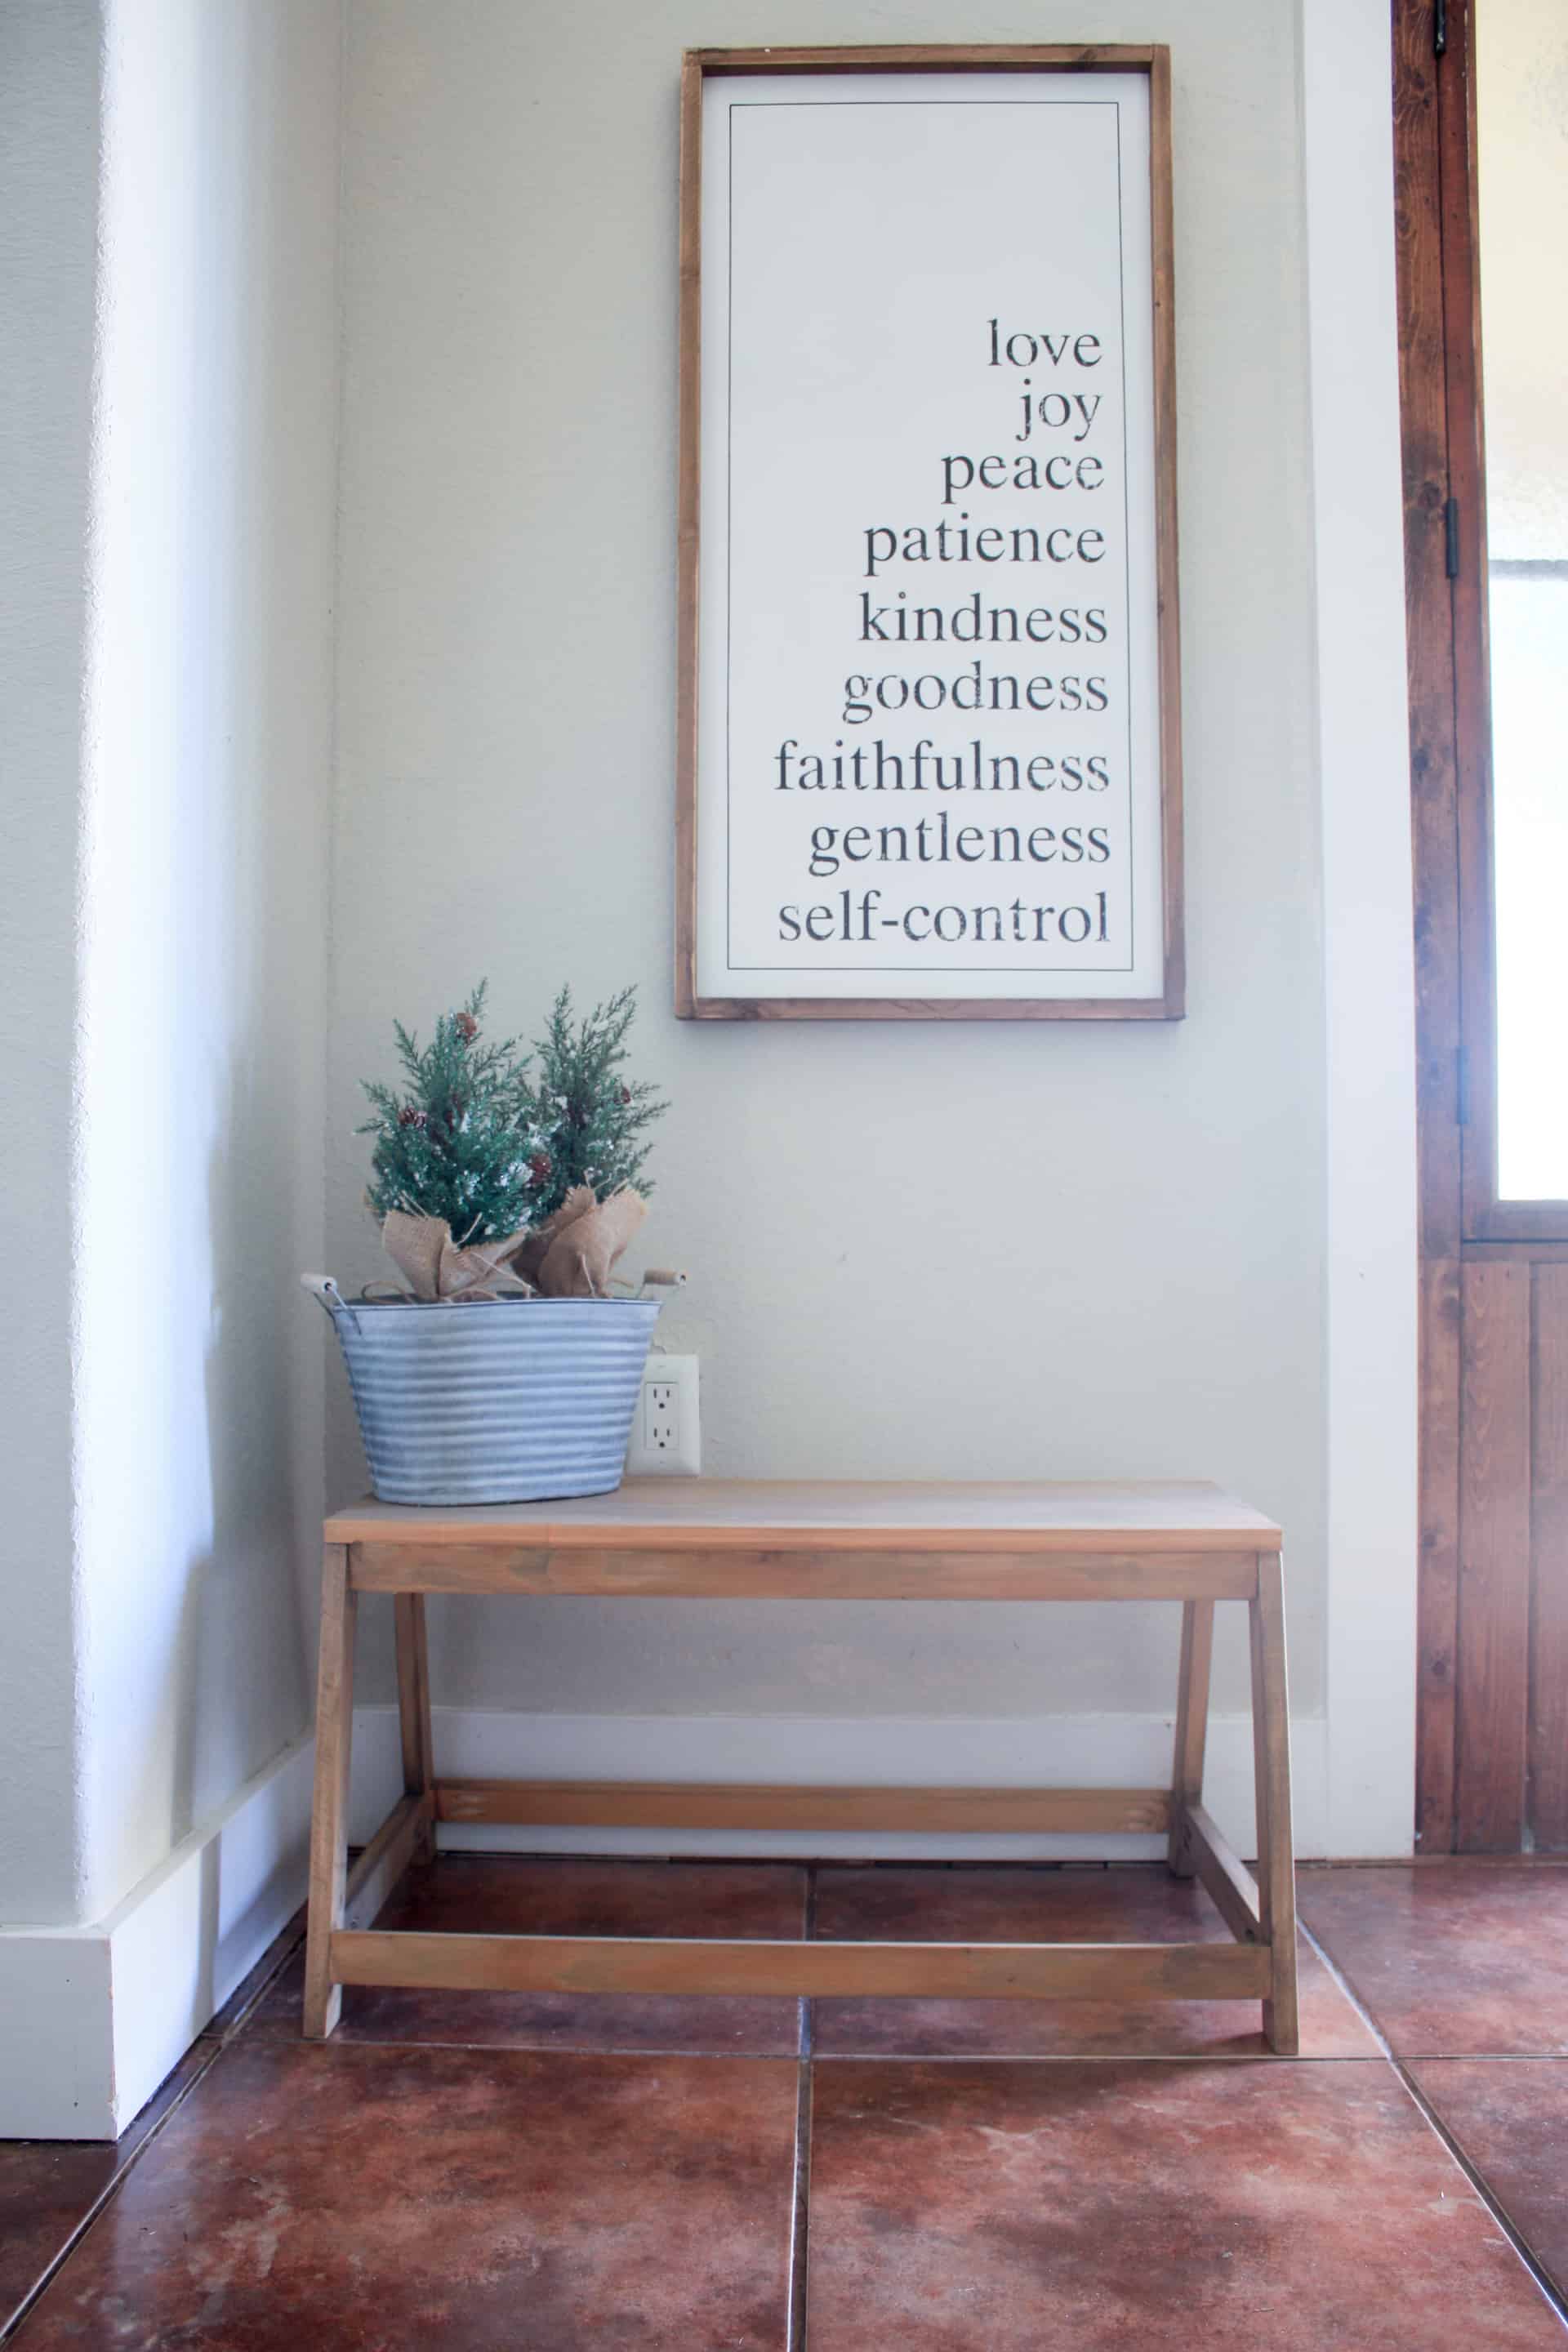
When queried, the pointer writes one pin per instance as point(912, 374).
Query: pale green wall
point(962, 1251)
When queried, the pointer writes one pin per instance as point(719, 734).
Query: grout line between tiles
point(800, 2215)
point(1078, 2058)
point(1517, 2240)
point(1434, 1861)
point(809, 1935)
point(1487, 2058)
point(1543, 2279)
point(665, 2050)
point(800, 2209)
point(236, 2024)
point(861, 2057)
point(107, 2193)
point(217, 2043)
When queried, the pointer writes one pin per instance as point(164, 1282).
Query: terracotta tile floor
point(1003, 1905)
point(483, 2172)
point(497, 1895)
point(1464, 1960)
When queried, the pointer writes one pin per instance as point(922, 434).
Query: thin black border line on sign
point(729, 568)
point(1126, 552)
point(872, 971)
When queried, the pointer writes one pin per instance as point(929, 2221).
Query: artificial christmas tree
point(502, 1182)
point(474, 1158)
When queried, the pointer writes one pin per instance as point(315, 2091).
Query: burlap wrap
point(569, 1255)
point(572, 1254)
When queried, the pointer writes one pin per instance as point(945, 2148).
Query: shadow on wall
point(210, 734)
point(238, 1655)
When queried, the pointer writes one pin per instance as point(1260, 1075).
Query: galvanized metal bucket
point(511, 1402)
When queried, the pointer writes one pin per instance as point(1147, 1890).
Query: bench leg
point(329, 1811)
point(1192, 1728)
point(413, 1708)
point(1271, 1761)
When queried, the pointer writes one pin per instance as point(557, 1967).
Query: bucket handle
point(323, 1288)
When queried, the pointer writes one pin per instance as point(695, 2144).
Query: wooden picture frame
point(1141, 836)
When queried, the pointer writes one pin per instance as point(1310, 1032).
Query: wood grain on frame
point(1151, 59)
point(500, 1547)
point(1494, 1560)
point(1475, 974)
point(661, 1964)
point(869, 1574)
point(698, 1514)
point(689, 534)
point(1192, 1730)
point(1423, 387)
point(1438, 1590)
point(1495, 1636)
point(749, 1805)
point(1547, 1742)
point(1428, 625)
point(1421, 131)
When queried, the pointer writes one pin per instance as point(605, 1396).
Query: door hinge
point(1439, 28)
point(1451, 538)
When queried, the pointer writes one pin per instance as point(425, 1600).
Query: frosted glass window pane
point(1522, 93)
point(1530, 767)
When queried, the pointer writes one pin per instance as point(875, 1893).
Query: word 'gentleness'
point(1077, 926)
point(935, 841)
point(872, 768)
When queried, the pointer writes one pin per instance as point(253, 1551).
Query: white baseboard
point(1085, 1750)
point(57, 2045)
point(91, 2019)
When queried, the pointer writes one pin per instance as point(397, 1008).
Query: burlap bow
point(433, 1266)
point(569, 1255)
point(572, 1254)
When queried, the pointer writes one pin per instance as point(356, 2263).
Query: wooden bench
point(698, 1539)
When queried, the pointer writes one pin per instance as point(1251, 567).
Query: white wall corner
point(92, 2018)
point(1368, 942)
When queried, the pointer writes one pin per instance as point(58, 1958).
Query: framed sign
point(930, 742)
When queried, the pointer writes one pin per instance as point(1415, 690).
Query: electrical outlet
point(666, 1434)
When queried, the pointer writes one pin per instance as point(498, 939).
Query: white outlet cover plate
point(680, 1452)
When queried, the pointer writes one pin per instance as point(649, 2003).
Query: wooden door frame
point(1418, 143)
point(1493, 1305)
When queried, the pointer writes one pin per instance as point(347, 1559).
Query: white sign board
point(930, 737)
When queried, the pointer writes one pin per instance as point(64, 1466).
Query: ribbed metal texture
point(511, 1403)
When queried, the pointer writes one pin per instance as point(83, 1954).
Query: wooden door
point(1492, 1764)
